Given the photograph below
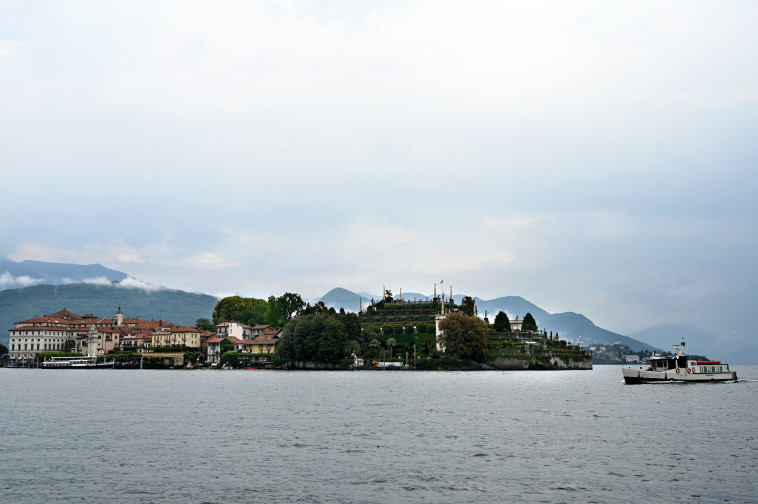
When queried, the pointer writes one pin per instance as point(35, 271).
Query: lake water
point(373, 437)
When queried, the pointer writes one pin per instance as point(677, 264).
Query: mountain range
point(31, 288)
point(26, 273)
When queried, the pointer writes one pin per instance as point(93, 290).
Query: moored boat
point(75, 363)
point(678, 367)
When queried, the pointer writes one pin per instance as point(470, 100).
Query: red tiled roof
point(266, 339)
point(40, 328)
point(64, 314)
point(66, 320)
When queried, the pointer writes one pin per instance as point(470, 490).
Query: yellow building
point(266, 342)
point(178, 336)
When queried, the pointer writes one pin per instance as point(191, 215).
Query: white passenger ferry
point(75, 363)
point(679, 368)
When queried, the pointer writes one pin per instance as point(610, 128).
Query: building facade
point(66, 331)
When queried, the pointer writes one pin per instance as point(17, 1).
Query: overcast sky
point(591, 156)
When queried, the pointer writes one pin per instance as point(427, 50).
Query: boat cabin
point(663, 363)
point(681, 362)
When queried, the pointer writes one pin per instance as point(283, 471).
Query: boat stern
point(632, 376)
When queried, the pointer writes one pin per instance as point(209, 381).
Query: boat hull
point(76, 363)
point(639, 375)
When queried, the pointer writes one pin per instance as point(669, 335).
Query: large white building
point(50, 333)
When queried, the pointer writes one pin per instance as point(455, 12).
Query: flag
point(440, 281)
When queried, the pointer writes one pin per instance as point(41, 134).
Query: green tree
point(468, 306)
point(529, 324)
point(353, 327)
point(258, 313)
point(305, 335)
point(332, 340)
point(205, 324)
point(284, 308)
point(226, 346)
point(323, 337)
point(319, 307)
point(238, 309)
point(391, 343)
point(230, 357)
point(3, 349)
point(502, 324)
point(464, 337)
point(353, 347)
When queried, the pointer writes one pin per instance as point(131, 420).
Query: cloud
point(97, 281)
point(8, 281)
point(575, 153)
point(133, 283)
point(8, 47)
point(127, 283)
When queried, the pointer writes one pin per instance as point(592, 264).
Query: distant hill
point(342, 298)
point(574, 327)
point(26, 273)
point(176, 306)
point(571, 326)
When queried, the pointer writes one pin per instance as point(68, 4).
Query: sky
point(590, 156)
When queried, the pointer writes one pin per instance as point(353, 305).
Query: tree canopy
point(277, 311)
point(468, 306)
point(464, 336)
point(205, 324)
point(284, 308)
point(529, 324)
point(239, 309)
point(322, 337)
point(319, 307)
point(502, 324)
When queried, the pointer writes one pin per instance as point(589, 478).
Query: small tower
point(118, 318)
point(92, 341)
